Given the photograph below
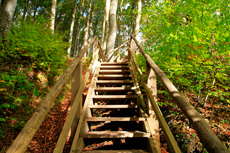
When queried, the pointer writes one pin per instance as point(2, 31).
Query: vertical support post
point(152, 84)
point(119, 56)
point(75, 85)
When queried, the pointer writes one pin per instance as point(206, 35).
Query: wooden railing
point(205, 133)
point(21, 143)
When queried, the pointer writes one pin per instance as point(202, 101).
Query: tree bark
point(112, 27)
point(132, 14)
point(91, 24)
point(71, 28)
point(7, 10)
point(138, 19)
point(106, 30)
point(78, 30)
point(25, 10)
point(86, 34)
point(119, 25)
point(52, 18)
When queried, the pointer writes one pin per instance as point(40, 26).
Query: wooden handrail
point(21, 143)
point(69, 120)
point(205, 133)
point(116, 49)
point(167, 132)
point(101, 52)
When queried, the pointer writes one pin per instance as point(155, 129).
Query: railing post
point(75, 85)
point(152, 84)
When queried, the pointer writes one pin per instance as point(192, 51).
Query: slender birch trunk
point(7, 10)
point(71, 28)
point(112, 27)
point(119, 25)
point(52, 18)
point(91, 24)
point(106, 30)
point(132, 15)
point(86, 34)
point(138, 19)
point(76, 45)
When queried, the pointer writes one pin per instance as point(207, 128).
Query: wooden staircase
point(113, 121)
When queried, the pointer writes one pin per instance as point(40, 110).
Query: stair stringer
point(78, 143)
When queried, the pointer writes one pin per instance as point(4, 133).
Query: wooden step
point(113, 63)
point(115, 119)
point(111, 77)
point(114, 89)
point(117, 151)
point(114, 82)
point(114, 67)
point(114, 97)
point(111, 106)
point(114, 72)
point(115, 134)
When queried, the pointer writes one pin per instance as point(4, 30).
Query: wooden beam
point(88, 101)
point(21, 143)
point(101, 52)
point(111, 106)
point(117, 151)
point(115, 119)
point(69, 120)
point(152, 84)
point(114, 97)
point(167, 132)
point(205, 133)
point(75, 85)
point(115, 134)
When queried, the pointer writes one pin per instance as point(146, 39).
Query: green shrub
point(31, 50)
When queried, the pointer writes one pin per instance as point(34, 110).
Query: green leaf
point(6, 105)
point(2, 120)
point(35, 92)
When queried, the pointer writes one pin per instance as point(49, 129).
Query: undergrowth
point(31, 61)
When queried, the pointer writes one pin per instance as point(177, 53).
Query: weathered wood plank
point(114, 72)
point(112, 106)
point(117, 151)
point(114, 67)
point(114, 89)
point(114, 82)
point(115, 134)
point(111, 97)
point(115, 119)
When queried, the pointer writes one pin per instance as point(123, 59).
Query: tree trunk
point(138, 19)
point(119, 26)
point(91, 24)
point(78, 29)
point(71, 28)
point(7, 10)
point(106, 30)
point(86, 34)
point(25, 10)
point(132, 14)
point(52, 18)
point(112, 27)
